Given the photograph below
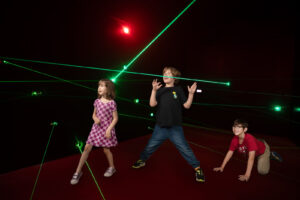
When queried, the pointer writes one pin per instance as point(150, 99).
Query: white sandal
point(75, 178)
point(109, 172)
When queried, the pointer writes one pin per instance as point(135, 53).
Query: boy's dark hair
point(242, 122)
point(110, 87)
point(175, 73)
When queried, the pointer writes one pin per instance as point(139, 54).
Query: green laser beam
point(136, 117)
point(76, 80)
point(79, 145)
point(207, 148)
point(147, 46)
point(228, 105)
point(113, 70)
point(45, 74)
point(38, 174)
point(256, 93)
point(208, 104)
point(87, 164)
point(59, 64)
point(206, 128)
point(44, 81)
point(199, 124)
point(184, 124)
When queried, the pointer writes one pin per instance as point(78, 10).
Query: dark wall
point(250, 44)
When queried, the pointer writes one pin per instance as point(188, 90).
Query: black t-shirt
point(169, 106)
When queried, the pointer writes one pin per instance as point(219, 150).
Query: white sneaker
point(109, 172)
point(75, 178)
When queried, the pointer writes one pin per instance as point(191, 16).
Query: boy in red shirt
point(247, 143)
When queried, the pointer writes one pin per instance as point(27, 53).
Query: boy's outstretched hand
point(156, 85)
point(218, 169)
point(193, 88)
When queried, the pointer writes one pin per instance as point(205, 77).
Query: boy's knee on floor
point(263, 171)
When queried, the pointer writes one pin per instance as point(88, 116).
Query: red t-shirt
point(250, 143)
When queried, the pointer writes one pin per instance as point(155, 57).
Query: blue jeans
point(175, 134)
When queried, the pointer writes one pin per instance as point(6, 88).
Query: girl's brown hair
point(174, 71)
point(110, 88)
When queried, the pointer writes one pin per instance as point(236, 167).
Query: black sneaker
point(138, 164)
point(199, 175)
point(275, 156)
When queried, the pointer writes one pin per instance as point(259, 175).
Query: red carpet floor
point(166, 175)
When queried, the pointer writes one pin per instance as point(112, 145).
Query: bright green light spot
point(151, 114)
point(228, 83)
point(125, 67)
point(79, 145)
point(54, 124)
point(297, 109)
point(36, 93)
point(277, 108)
point(113, 80)
point(143, 50)
point(136, 101)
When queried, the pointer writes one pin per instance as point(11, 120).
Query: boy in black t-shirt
point(169, 100)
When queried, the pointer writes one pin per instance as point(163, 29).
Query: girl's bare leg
point(84, 156)
point(109, 157)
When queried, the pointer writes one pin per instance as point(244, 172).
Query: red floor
point(166, 175)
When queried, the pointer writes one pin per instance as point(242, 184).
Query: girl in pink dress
point(103, 134)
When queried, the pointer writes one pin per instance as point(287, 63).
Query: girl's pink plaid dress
point(104, 111)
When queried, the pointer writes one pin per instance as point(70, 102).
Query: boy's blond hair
point(175, 72)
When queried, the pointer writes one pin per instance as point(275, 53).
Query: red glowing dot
point(126, 30)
